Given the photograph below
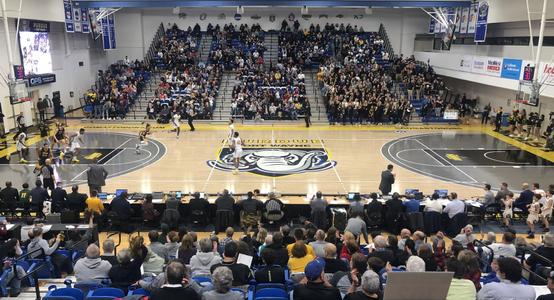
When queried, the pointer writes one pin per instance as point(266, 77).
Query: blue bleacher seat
point(138, 291)
point(105, 294)
point(63, 294)
point(203, 281)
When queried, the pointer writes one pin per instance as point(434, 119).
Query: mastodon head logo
point(275, 162)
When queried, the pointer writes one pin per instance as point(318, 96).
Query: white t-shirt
point(501, 249)
point(237, 143)
point(176, 118)
point(231, 130)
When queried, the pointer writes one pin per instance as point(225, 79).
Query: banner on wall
point(111, 26)
point(437, 27)
point(95, 23)
point(511, 68)
point(85, 20)
point(472, 17)
point(445, 11)
point(108, 32)
point(463, 22)
point(546, 73)
point(432, 25)
point(494, 66)
point(479, 65)
point(458, 19)
point(528, 70)
point(68, 15)
point(77, 19)
point(466, 63)
point(481, 23)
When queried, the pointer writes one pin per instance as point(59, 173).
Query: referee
point(190, 117)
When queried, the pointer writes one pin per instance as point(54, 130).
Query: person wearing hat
point(370, 284)
point(316, 286)
point(550, 286)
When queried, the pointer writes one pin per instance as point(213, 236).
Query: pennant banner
point(481, 23)
point(68, 12)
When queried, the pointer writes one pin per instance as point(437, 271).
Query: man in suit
point(96, 177)
point(525, 198)
point(121, 206)
point(59, 198)
point(75, 200)
point(38, 196)
point(387, 179)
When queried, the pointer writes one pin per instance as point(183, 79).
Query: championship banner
point(511, 68)
point(105, 34)
point(465, 18)
point(95, 23)
point(111, 26)
point(481, 24)
point(472, 18)
point(432, 25)
point(458, 19)
point(68, 15)
point(85, 20)
point(77, 19)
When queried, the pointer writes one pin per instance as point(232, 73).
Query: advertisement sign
point(34, 26)
point(494, 66)
point(511, 68)
point(472, 18)
point(481, 24)
point(479, 65)
point(68, 15)
point(528, 71)
point(85, 21)
point(465, 18)
point(546, 73)
point(466, 63)
point(35, 80)
point(19, 72)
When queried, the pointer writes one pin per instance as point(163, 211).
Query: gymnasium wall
point(67, 49)
point(135, 28)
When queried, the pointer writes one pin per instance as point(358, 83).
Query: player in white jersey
point(231, 130)
point(236, 145)
point(21, 147)
point(77, 141)
point(175, 120)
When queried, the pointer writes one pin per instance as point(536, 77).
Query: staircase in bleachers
point(271, 55)
point(205, 47)
point(313, 94)
point(225, 96)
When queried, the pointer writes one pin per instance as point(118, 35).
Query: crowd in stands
point(318, 257)
point(116, 89)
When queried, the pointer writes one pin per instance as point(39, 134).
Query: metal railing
point(386, 42)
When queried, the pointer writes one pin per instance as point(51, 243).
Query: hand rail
point(22, 257)
point(119, 240)
point(35, 278)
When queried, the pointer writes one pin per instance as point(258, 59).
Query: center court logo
point(286, 157)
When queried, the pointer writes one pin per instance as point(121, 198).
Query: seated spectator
point(412, 205)
point(395, 208)
point(273, 208)
point(204, 259)
point(172, 245)
point(199, 206)
point(175, 274)
point(299, 257)
point(356, 206)
point(318, 206)
point(357, 226)
point(316, 287)
point(415, 264)
point(405, 235)
point(75, 200)
point(419, 239)
point(155, 245)
point(8, 251)
point(149, 213)
point(319, 244)
point(545, 250)
point(287, 238)
point(222, 281)
point(550, 285)
point(187, 249)
point(152, 264)
point(94, 204)
point(455, 206)
point(92, 268)
point(333, 237)
point(343, 280)
point(108, 247)
point(299, 236)
point(381, 251)
point(460, 288)
point(370, 287)
point(61, 263)
point(241, 273)
point(279, 250)
point(426, 253)
point(470, 261)
point(332, 263)
point(270, 272)
point(126, 272)
point(400, 256)
point(432, 205)
point(350, 246)
point(466, 237)
point(506, 247)
point(509, 271)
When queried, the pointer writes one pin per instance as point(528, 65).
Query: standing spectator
point(509, 271)
point(486, 112)
point(357, 226)
point(319, 211)
point(387, 180)
point(96, 176)
point(9, 197)
point(225, 205)
point(317, 286)
point(42, 105)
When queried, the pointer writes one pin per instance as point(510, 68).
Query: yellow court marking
point(452, 156)
point(12, 149)
point(93, 155)
point(538, 152)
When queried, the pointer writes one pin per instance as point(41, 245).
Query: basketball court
point(292, 159)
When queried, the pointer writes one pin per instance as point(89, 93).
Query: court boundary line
point(213, 167)
point(334, 165)
point(82, 172)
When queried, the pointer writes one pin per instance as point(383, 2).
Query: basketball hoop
point(19, 92)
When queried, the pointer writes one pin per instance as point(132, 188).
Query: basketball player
point(236, 145)
point(175, 120)
point(142, 138)
point(21, 147)
point(231, 130)
point(508, 210)
point(533, 217)
point(60, 139)
point(546, 211)
point(77, 140)
point(44, 153)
